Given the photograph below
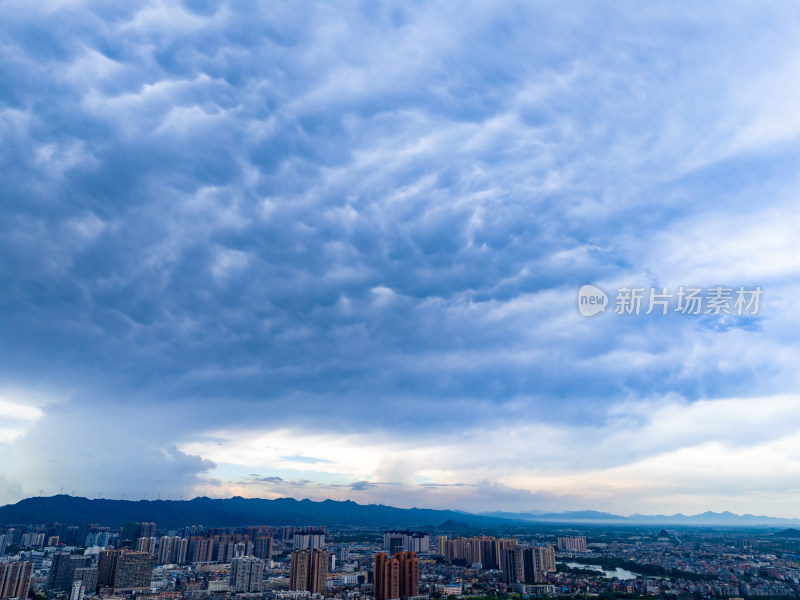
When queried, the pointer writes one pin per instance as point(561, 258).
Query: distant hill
point(237, 511)
point(574, 516)
point(709, 518)
point(792, 533)
point(230, 512)
point(722, 519)
point(452, 526)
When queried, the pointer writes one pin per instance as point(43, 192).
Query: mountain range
point(229, 512)
point(708, 518)
point(237, 511)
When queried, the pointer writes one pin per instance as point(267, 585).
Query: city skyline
point(335, 251)
point(221, 562)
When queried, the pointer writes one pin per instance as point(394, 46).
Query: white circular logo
point(591, 300)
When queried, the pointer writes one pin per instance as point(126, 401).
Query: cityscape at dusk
point(527, 268)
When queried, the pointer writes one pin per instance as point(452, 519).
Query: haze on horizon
point(333, 250)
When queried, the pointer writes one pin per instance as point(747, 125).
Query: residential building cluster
point(396, 577)
point(144, 561)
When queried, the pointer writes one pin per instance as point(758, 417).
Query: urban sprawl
point(141, 560)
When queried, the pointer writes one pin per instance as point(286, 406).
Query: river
point(618, 573)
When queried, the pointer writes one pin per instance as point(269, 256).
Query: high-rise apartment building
point(538, 561)
point(455, 551)
point(87, 577)
point(396, 577)
point(32, 539)
point(172, 550)
point(501, 546)
point(409, 574)
point(106, 565)
point(309, 539)
point(200, 549)
point(528, 565)
point(514, 566)
point(572, 544)
point(78, 592)
point(62, 570)
point(386, 577)
point(299, 566)
point(147, 530)
point(146, 544)
point(100, 538)
point(132, 571)
point(247, 574)
point(414, 541)
point(342, 554)
point(263, 547)
point(131, 532)
point(441, 542)
point(164, 550)
point(15, 579)
point(546, 559)
point(484, 550)
point(309, 570)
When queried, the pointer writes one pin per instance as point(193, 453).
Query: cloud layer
point(333, 250)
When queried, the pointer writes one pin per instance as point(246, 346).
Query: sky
point(333, 250)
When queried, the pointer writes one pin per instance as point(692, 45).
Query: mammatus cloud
point(339, 247)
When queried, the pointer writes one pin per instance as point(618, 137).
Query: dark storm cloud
point(372, 217)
